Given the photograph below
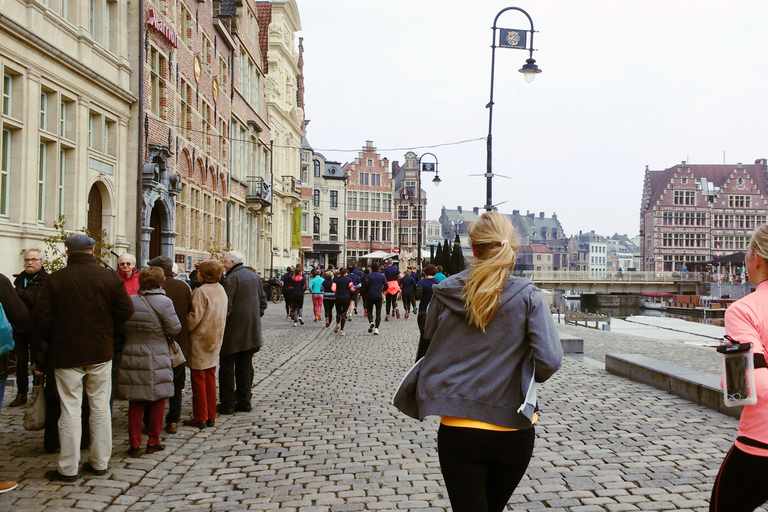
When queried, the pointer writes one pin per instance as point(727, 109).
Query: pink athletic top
point(746, 321)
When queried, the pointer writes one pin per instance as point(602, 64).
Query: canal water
point(576, 305)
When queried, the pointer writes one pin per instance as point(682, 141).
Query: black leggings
point(328, 305)
point(391, 303)
point(482, 468)
point(342, 305)
point(740, 484)
point(409, 303)
point(374, 302)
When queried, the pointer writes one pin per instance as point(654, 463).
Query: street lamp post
point(509, 38)
point(426, 167)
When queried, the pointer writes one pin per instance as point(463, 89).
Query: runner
point(424, 294)
point(356, 294)
point(375, 284)
point(343, 288)
point(285, 284)
point(408, 284)
point(329, 297)
point(315, 288)
point(392, 274)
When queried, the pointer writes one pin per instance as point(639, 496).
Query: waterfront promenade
point(323, 437)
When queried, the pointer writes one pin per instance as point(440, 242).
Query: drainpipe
point(140, 93)
point(272, 207)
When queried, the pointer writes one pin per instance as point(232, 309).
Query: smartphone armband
point(738, 374)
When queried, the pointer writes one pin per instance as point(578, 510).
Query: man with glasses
point(28, 284)
point(128, 273)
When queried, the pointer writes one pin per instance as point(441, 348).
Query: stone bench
point(571, 344)
point(698, 387)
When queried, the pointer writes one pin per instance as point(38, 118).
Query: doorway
point(95, 213)
point(154, 240)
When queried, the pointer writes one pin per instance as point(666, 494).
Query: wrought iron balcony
point(292, 186)
point(259, 190)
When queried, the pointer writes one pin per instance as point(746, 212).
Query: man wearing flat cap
point(77, 311)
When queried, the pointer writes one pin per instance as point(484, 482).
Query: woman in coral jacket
point(742, 483)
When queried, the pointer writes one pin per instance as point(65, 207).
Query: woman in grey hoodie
point(491, 338)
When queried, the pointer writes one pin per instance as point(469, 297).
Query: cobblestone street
point(323, 437)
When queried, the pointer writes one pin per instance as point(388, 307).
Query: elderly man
point(128, 272)
point(28, 284)
point(242, 335)
point(77, 311)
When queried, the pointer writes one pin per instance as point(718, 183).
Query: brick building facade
point(370, 189)
point(693, 213)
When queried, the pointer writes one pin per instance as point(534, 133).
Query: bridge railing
point(613, 277)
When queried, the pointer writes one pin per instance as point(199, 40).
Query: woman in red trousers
point(206, 331)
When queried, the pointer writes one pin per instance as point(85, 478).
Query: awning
point(320, 248)
point(377, 255)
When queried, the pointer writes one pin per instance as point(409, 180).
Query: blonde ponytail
point(495, 245)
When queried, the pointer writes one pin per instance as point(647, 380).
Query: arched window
point(317, 168)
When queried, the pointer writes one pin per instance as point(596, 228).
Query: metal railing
point(613, 277)
point(258, 189)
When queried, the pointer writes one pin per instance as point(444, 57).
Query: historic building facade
point(64, 121)
point(691, 214)
point(408, 205)
point(201, 132)
point(285, 98)
point(370, 190)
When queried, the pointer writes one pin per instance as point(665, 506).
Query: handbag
point(34, 414)
point(405, 396)
point(174, 349)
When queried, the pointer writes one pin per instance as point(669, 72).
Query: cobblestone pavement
point(323, 437)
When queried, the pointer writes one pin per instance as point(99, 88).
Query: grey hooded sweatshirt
point(485, 376)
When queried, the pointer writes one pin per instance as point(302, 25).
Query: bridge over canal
point(620, 282)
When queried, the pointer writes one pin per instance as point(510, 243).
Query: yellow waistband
point(452, 421)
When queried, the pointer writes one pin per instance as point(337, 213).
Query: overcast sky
point(625, 84)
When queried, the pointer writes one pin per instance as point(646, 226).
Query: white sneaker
point(301, 321)
point(376, 331)
point(342, 333)
point(370, 327)
point(336, 329)
point(295, 324)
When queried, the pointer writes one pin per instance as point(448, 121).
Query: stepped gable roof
point(715, 173)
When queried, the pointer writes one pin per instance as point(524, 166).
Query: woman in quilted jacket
point(145, 377)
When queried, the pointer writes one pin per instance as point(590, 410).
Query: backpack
point(6, 333)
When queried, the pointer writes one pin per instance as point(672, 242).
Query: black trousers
point(741, 483)
point(236, 378)
point(328, 306)
point(23, 341)
point(409, 302)
point(174, 403)
point(482, 468)
point(391, 303)
point(423, 345)
point(342, 306)
point(374, 302)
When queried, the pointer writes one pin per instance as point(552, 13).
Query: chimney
point(395, 167)
point(554, 217)
point(515, 212)
point(476, 210)
point(458, 209)
point(541, 215)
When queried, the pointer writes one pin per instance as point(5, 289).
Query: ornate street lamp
point(508, 38)
point(426, 167)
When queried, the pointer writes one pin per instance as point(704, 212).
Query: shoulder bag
point(34, 414)
point(177, 356)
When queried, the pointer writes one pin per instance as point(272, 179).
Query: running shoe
point(397, 312)
point(342, 333)
point(406, 313)
point(386, 318)
point(295, 324)
point(301, 321)
point(376, 331)
point(370, 327)
point(327, 323)
point(336, 329)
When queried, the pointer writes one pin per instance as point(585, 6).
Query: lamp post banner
point(428, 167)
point(513, 38)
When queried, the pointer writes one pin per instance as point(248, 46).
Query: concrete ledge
point(571, 344)
point(698, 387)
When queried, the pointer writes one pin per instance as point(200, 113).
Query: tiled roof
point(715, 173)
point(264, 18)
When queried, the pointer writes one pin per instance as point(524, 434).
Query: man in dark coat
point(180, 294)
point(77, 312)
point(28, 284)
point(17, 314)
point(242, 335)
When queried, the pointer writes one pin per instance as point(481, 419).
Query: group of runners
point(339, 291)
